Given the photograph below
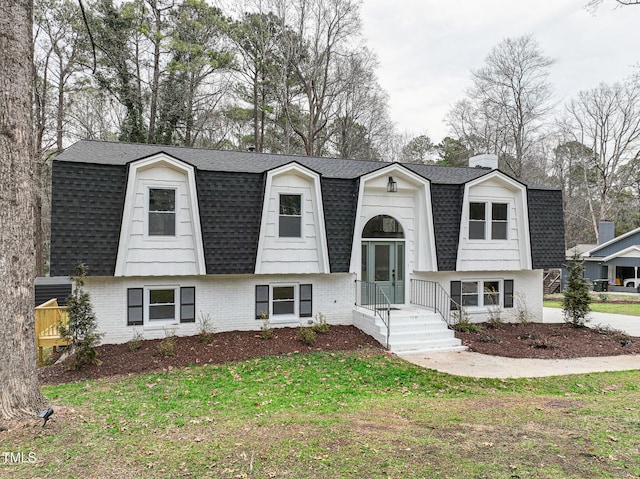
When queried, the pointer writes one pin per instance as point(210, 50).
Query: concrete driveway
point(465, 363)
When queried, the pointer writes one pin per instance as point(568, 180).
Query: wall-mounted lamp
point(392, 186)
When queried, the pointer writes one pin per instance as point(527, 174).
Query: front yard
point(332, 415)
point(612, 303)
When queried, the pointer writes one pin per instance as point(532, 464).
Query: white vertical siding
point(156, 255)
point(307, 254)
point(488, 254)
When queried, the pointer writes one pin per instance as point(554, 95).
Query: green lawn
point(334, 415)
point(607, 307)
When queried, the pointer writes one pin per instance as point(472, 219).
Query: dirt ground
point(533, 340)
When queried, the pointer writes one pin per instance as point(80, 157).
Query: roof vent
point(484, 161)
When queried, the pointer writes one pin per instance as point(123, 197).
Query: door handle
point(393, 277)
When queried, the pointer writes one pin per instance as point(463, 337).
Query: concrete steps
point(413, 330)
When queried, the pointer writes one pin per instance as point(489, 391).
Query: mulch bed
point(548, 341)
point(120, 359)
point(533, 340)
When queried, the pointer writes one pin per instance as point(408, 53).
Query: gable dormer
point(494, 229)
point(293, 236)
point(160, 229)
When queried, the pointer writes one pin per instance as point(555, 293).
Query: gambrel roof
point(89, 182)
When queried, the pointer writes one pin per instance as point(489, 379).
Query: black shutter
point(262, 300)
point(508, 293)
point(456, 294)
point(188, 304)
point(135, 307)
point(306, 297)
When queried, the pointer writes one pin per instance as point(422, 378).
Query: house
point(615, 259)
point(173, 235)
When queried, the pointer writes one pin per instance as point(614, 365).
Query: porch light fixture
point(392, 186)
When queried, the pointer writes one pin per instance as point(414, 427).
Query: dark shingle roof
point(112, 153)
point(89, 181)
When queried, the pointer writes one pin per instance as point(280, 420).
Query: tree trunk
point(19, 394)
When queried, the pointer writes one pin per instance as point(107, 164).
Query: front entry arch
point(383, 256)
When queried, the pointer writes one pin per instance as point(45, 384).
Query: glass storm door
point(383, 264)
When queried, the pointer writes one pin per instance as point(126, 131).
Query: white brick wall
point(527, 285)
point(229, 300)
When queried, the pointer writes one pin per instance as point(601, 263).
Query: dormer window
point(162, 212)
point(290, 219)
point(481, 214)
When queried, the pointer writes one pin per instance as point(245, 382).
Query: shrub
point(205, 327)
point(267, 330)
point(136, 342)
point(462, 322)
point(494, 310)
point(320, 324)
point(167, 347)
point(522, 314)
point(603, 297)
point(576, 304)
point(307, 335)
point(81, 329)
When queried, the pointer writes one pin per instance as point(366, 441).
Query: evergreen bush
point(576, 304)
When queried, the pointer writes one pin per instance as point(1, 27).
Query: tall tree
point(19, 394)
point(606, 119)
point(508, 102)
point(418, 150)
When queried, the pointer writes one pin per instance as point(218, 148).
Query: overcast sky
point(426, 48)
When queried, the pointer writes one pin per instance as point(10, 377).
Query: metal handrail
point(376, 301)
point(430, 294)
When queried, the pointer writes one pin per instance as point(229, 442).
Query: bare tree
point(506, 108)
point(606, 119)
point(19, 394)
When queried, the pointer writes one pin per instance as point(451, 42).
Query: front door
point(383, 264)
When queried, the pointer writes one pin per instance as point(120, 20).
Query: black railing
point(370, 296)
point(430, 294)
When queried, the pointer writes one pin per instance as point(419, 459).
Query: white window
point(162, 304)
point(290, 216)
point(483, 214)
point(284, 301)
point(162, 212)
point(477, 293)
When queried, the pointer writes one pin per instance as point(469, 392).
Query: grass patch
point(632, 309)
point(341, 415)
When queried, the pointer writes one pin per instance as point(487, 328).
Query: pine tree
point(576, 304)
point(81, 329)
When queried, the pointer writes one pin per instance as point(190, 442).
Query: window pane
point(162, 200)
point(382, 262)
point(290, 205)
point(162, 224)
point(469, 287)
point(262, 294)
point(382, 226)
point(499, 211)
point(283, 307)
point(470, 300)
point(262, 308)
point(161, 296)
point(476, 211)
point(305, 308)
point(162, 312)
point(283, 292)
point(491, 293)
point(290, 226)
point(476, 229)
point(499, 230)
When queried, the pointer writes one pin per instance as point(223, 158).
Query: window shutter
point(306, 300)
point(262, 300)
point(456, 294)
point(188, 305)
point(508, 293)
point(135, 307)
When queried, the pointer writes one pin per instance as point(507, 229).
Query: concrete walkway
point(465, 363)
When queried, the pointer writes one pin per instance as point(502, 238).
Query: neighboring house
point(615, 259)
point(171, 235)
